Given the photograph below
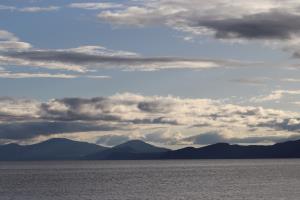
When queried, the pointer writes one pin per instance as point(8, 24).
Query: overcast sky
point(169, 72)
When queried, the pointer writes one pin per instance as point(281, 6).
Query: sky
point(171, 72)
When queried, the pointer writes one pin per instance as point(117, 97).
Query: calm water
point(151, 180)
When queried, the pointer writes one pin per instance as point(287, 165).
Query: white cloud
point(292, 80)
point(86, 58)
point(100, 50)
point(11, 75)
point(97, 77)
point(275, 95)
point(18, 108)
point(39, 9)
point(9, 42)
point(13, 45)
point(7, 36)
point(8, 61)
point(20, 75)
point(296, 103)
point(95, 5)
point(156, 119)
point(30, 9)
point(4, 7)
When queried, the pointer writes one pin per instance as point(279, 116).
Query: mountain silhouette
point(64, 149)
point(131, 150)
point(53, 149)
point(139, 146)
point(289, 149)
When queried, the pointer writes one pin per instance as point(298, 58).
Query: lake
point(151, 180)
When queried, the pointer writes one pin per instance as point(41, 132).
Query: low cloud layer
point(156, 119)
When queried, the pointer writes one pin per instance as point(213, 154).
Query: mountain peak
point(56, 140)
point(140, 146)
point(52, 149)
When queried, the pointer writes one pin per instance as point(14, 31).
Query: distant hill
point(53, 149)
point(289, 149)
point(134, 149)
point(64, 149)
point(139, 146)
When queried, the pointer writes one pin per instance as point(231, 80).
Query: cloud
point(292, 80)
point(164, 136)
point(269, 25)
point(13, 45)
point(112, 140)
point(10, 75)
point(116, 61)
point(95, 6)
point(97, 77)
point(4, 7)
point(5, 35)
point(85, 58)
point(296, 103)
point(156, 119)
point(224, 18)
point(18, 109)
point(21, 75)
point(30, 9)
point(28, 130)
point(275, 95)
point(39, 9)
point(251, 81)
point(9, 42)
point(267, 21)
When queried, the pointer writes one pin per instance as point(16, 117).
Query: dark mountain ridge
point(53, 149)
point(290, 149)
point(131, 150)
point(64, 149)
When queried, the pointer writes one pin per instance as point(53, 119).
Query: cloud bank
point(158, 119)
point(275, 95)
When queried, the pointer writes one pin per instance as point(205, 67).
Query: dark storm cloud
point(158, 120)
point(156, 107)
point(286, 124)
point(270, 25)
point(73, 110)
point(296, 54)
point(28, 130)
point(104, 109)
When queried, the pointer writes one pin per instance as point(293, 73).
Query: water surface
point(151, 180)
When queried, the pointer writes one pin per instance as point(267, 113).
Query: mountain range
point(64, 149)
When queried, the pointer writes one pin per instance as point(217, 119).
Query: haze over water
point(151, 180)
